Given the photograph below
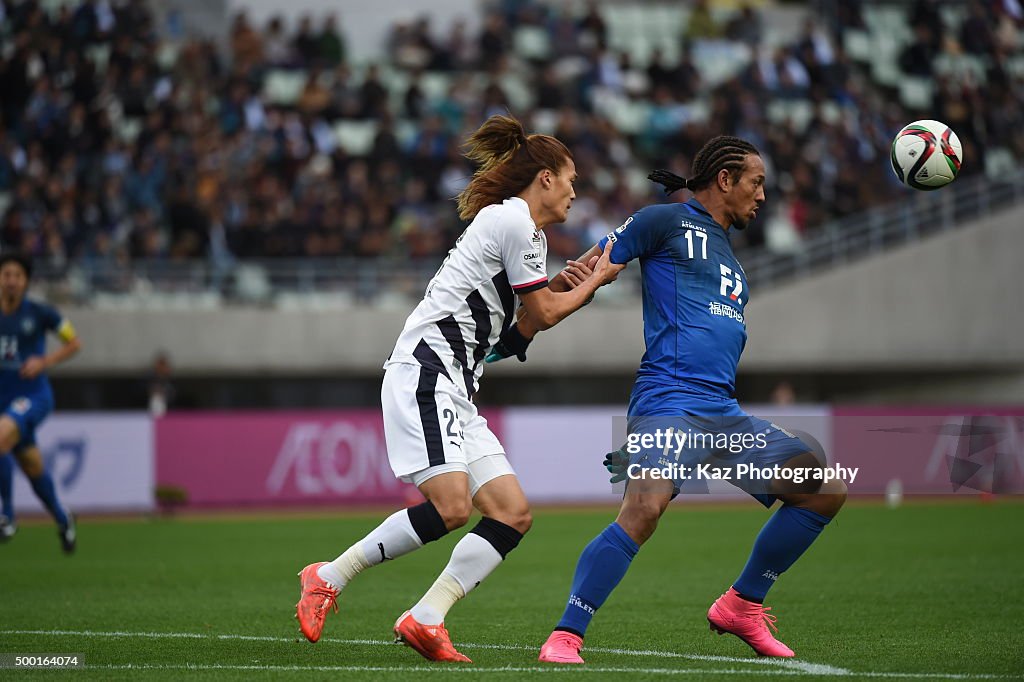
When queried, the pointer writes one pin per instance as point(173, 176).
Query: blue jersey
point(22, 335)
point(694, 292)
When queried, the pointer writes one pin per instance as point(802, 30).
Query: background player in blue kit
point(694, 293)
point(25, 395)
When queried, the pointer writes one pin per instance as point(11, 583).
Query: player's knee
point(515, 514)
point(639, 515)
point(31, 463)
point(834, 493)
point(809, 480)
point(9, 433)
point(454, 512)
point(521, 520)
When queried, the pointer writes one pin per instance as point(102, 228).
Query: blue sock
point(600, 568)
point(47, 494)
point(782, 540)
point(6, 486)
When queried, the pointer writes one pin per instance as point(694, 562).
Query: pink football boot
point(748, 621)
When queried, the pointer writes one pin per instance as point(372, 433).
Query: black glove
point(617, 464)
point(511, 342)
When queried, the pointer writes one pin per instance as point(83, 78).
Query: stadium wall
point(945, 302)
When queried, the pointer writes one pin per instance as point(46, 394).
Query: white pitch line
point(778, 666)
point(446, 669)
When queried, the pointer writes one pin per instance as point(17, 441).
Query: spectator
point(305, 44)
point(701, 23)
point(918, 59)
point(783, 394)
point(160, 388)
point(593, 32)
point(373, 96)
point(746, 27)
point(330, 45)
point(976, 33)
point(277, 49)
point(492, 41)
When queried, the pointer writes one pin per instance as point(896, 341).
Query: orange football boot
point(317, 597)
point(431, 641)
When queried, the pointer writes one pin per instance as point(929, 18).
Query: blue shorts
point(28, 412)
point(705, 438)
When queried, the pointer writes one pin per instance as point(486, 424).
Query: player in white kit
point(436, 439)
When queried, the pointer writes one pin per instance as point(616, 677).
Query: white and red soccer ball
point(926, 155)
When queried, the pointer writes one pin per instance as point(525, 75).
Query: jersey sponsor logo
point(534, 259)
point(725, 310)
point(619, 230)
point(21, 405)
point(731, 279)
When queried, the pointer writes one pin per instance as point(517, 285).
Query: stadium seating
point(206, 138)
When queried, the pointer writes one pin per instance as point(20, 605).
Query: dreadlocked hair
point(508, 161)
point(719, 153)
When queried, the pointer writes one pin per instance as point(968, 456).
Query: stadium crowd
point(120, 140)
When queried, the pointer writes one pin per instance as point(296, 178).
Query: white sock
point(389, 540)
point(472, 560)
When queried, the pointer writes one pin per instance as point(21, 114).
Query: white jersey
point(471, 298)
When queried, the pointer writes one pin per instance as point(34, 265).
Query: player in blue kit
point(694, 294)
point(25, 395)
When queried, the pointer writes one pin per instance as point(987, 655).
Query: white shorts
point(431, 428)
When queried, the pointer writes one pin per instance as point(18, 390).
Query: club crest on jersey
point(21, 406)
point(28, 325)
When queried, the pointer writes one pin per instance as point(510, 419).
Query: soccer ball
point(926, 155)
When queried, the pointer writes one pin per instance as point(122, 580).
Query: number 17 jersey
point(694, 293)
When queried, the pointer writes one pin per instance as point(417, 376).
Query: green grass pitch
point(932, 590)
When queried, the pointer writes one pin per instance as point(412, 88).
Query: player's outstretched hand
point(32, 367)
point(617, 464)
point(605, 270)
point(576, 272)
point(511, 342)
